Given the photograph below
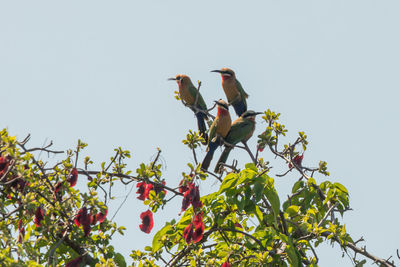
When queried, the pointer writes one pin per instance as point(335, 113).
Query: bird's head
point(226, 74)
point(222, 107)
point(250, 115)
point(181, 79)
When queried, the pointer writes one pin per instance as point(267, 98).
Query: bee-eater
point(241, 131)
point(233, 90)
point(219, 128)
point(188, 92)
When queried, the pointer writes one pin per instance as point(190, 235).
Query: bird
point(241, 131)
point(233, 90)
point(219, 128)
point(188, 92)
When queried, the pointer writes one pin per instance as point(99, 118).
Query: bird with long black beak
point(233, 90)
point(188, 92)
point(218, 129)
point(241, 131)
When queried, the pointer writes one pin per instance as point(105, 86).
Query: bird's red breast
point(222, 112)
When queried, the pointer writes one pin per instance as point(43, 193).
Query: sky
point(97, 71)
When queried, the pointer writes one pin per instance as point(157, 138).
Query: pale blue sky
point(97, 70)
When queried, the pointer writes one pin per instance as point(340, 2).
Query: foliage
point(45, 220)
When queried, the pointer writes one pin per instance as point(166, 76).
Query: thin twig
point(250, 153)
point(313, 251)
point(130, 177)
point(327, 214)
point(123, 202)
point(56, 246)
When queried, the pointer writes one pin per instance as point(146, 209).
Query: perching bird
point(233, 90)
point(188, 92)
point(241, 131)
point(219, 128)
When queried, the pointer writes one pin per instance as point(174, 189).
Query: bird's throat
point(222, 112)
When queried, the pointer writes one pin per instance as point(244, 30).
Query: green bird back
point(243, 94)
point(200, 101)
point(241, 130)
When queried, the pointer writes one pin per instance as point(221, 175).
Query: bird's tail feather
point(201, 117)
point(207, 159)
point(222, 159)
point(240, 107)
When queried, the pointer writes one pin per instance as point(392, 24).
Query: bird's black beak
point(171, 79)
point(219, 71)
point(258, 113)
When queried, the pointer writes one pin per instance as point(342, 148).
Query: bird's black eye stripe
point(227, 72)
point(249, 114)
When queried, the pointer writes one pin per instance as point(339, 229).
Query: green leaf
point(272, 196)
point(291, 250)
point(258, 190)
point(259, 214)
point(293, 210)
point(120, 260)
point(299, 184)
point(157, 239)
point(341, 187)
point(229, 181)
point(251, 166)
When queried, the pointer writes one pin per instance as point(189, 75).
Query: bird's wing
point(200, 101)
point(243, 94)
point(240, 130)
point(213, 129)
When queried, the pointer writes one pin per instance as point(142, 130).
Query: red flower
point(195, 194)
point(158, 188)
point(100, 217)
point(93, 219)
point(188, 233)
point(226, 264)
point(183, 186)
point(238, 225)
point(84, 219)
point(144, 189)
point(4, 163)
point(149, 187)
point(77, 219)
point(19, 185)
point(73, 178)
point(75, 262)
point(297, 160)
point(58, 187)
point(198, 219)
point(260, 149)
point(198, 232)
point(186, 200)
point(39, 215)
point(147, 221)
point(191, 196)
point(141, 190)
point(57, 192)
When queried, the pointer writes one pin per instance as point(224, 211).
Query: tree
point(45, 220)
